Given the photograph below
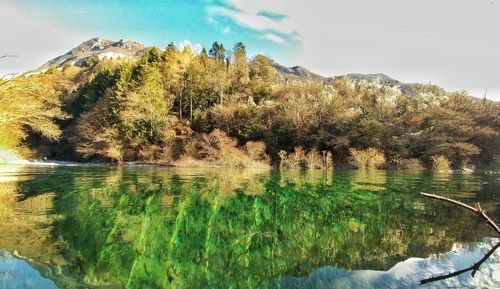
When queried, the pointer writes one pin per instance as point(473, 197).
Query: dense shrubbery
point(302, 159)
point(410, 164)
point(158, 108)
point(217, 149)
point(440, 164)
point(370, 158)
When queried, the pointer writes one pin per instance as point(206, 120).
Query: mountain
point(296, 71)
point(299, 72)
point(97, 47)
point(372, 77)
point(100, 48)
point(406, 88)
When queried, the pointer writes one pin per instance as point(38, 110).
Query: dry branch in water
point(474, 268)
point(478, 211)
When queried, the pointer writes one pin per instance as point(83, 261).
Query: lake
point(154, 227)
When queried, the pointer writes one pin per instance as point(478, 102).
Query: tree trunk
point(191, 108)
point(180, 105)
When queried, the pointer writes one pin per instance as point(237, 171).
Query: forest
point(222, 108)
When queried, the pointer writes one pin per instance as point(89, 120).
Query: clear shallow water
point(146, 227)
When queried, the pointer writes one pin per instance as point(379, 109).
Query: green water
point(146, 227)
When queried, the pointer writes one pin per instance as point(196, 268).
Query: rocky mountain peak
point(97, 47)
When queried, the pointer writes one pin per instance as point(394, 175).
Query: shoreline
point(57, 163)
point(53, 163)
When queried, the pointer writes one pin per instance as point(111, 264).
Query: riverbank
point(11, 158)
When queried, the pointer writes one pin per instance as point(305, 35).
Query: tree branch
point(477, 210)
point(7, 55)
point(474, 268)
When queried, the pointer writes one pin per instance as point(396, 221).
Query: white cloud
point(451, 43)
point(226, 30)
point(196, 48)
point(33, 40)
point(253, 20)
point(211, 20)
point(274, 38)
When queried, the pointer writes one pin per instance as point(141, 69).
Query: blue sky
point(450, 43)
point(152, 22)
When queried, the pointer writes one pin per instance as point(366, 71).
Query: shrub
point(151, 153)
point(302, 159)
point(299, 156)
point(217, 145)
point(218, 149)
point(257, 151)
point(313, 160)
point(411, 164)
point(369, 158)
point(292, 160)
point(172, 149)
point(284, 161)
point(114, 153)
point(440, 163)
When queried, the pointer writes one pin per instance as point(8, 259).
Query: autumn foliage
point(176, 106)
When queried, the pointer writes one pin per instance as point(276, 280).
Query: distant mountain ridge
point(125, 49)
point(297, 71)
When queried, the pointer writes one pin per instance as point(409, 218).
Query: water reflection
point(18, 273)
point(406, 274)
point(300, 177)
point(370, 180)
point(181, 228)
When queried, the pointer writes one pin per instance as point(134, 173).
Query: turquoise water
point(152, 227)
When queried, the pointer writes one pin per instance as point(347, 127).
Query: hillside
point(177, 107)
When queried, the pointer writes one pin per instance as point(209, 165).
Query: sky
point(451, 43)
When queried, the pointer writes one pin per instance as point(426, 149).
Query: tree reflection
point(157, 228)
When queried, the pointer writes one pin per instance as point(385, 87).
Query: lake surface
point(152, 227)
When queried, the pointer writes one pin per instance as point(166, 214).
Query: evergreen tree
point(217, 51)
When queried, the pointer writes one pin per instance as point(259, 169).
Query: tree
point(217, 51)
point(240, 71)
point(152, 56)
point(261, 77)
point(144, 113)
point(186, 64)
point(171, 47)
point(28, 104)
